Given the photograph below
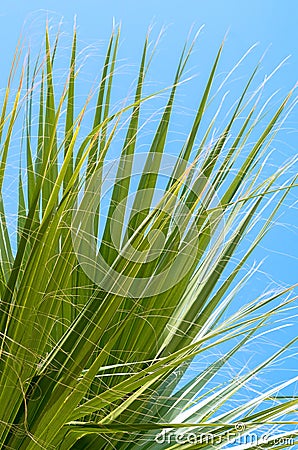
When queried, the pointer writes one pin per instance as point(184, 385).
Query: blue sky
point(269, 21)
point(272, 23)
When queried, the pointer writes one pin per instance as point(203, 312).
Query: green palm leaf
point(118, 282)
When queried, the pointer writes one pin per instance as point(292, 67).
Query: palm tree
point(117, 281)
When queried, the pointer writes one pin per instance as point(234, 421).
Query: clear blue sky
point(273, 23)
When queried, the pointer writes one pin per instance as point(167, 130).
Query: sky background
point(273, 24)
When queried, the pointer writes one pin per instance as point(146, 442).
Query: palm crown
point(105, 307)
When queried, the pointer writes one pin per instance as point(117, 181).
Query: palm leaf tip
point(122, 311)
